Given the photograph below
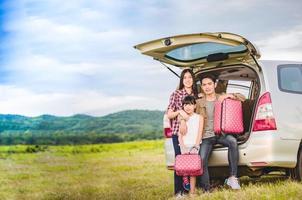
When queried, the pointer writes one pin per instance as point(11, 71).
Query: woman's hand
point(183, 115)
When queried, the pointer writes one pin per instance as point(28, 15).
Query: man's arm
point(235, 96)
point(239, 96)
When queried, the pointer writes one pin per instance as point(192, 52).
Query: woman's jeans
point(177, 179)
point(206, 149)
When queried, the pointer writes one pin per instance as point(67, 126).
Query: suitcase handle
point(194, 147)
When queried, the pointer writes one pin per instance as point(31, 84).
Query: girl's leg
point(192, 184)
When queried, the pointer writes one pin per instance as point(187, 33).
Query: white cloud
point(282, 45)
point(42, 66)
point(15, 100)
point(77, 56)
point(46, 36)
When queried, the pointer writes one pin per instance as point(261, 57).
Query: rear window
point(242, 87)
point(201, 50)
point(290, 78)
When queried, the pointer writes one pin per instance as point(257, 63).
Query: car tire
point(296, 173)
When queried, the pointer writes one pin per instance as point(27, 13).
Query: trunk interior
point(237, 79)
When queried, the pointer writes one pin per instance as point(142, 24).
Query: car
point(272, 112)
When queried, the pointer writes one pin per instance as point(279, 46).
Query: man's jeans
point(206, 149)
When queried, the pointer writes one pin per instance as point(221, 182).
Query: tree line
point(81, 129)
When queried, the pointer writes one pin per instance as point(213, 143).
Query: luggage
point(228, 117)
point(188, 165)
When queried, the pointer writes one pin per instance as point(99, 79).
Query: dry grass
point(133, 170)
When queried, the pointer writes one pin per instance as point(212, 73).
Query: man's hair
point(209, 76)
point(189, 100)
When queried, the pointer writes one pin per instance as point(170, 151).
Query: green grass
point(133, 170)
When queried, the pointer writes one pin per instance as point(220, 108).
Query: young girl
point(190, 142)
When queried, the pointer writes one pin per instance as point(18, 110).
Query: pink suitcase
point(228, 117)
point(188, 165)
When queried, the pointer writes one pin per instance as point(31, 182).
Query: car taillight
point(264, 119)
point(167, 126)
point(167, 132)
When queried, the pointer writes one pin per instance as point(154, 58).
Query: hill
point(81, 129)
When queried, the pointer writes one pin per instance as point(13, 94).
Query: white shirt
point(190, 137)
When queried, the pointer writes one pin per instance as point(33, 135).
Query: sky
point(68, 57)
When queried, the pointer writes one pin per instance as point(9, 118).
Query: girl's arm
point(181, 143)
point(200, 131)
point(182, 127)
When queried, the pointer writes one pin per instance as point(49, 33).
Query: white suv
point(273, 109)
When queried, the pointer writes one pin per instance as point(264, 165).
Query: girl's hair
point(181, 84)
point(189, 100)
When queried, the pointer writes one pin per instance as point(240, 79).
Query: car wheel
point(296, 173)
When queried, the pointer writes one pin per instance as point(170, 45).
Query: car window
point(290, 78)
point(242, 87)
point(201, 50)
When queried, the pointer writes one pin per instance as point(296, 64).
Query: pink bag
point(228, 117)
point(188, 165)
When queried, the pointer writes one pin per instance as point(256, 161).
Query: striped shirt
point(175, 103)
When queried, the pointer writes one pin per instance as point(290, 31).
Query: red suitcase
point(228, 117)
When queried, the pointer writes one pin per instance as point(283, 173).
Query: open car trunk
point(233, 79)
point(230, 57)
point(201, 50)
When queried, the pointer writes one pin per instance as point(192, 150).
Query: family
point(192, 123)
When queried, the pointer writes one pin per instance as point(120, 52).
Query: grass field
point(133, 170)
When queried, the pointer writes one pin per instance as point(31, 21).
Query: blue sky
point(67, 57)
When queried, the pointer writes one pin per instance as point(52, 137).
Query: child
point(190, 142)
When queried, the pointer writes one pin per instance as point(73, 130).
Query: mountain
point(47, 129)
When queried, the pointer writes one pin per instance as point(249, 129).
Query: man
point(205, 107)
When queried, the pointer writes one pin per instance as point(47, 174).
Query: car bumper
point(169, 153)
point(263, 149)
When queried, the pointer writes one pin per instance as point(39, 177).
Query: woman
point(187, 86)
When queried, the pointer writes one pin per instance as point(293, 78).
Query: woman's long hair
point(181, 84)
